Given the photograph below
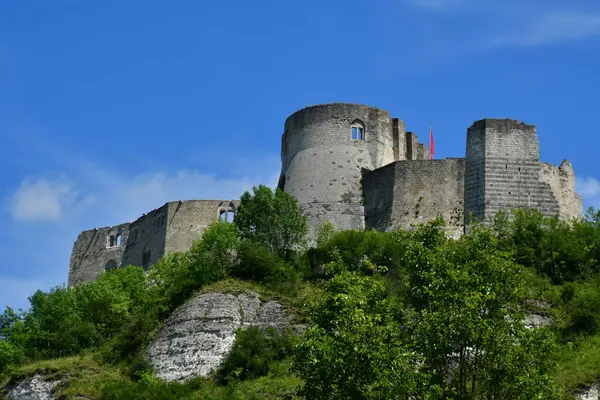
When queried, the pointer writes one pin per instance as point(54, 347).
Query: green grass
point(82, 376)
point(579, 363)
point(293, 296)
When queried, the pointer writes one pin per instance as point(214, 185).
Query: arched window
point(358, 130)
point(114, 238)
point(112, 264)
point(226, 211)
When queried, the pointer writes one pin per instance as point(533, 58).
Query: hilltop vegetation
point(406, 314)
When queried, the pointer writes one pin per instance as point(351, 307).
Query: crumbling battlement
point(170, 228)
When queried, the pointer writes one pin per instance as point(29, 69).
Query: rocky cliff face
point(590, 393)
point(199, 334)
point(34, 388)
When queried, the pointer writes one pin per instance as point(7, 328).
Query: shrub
point(255, 353)
point(272, 220)
point(256, 263)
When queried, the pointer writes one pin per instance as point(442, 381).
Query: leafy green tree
point(271, 219)
point(357, 347)
point(467, 322)
point(454, 332)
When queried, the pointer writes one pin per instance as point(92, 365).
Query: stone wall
point(503, 170)
point(170, 228)
point(561, 181)
point(92, 253)
point(187, 221)
point(412, 192)
point(147, 236)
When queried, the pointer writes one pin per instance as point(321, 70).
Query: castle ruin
point(358, 168)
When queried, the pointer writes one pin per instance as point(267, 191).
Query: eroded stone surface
point(35, 388)
point(590, 393)
point(536, 321)
point(199, 334)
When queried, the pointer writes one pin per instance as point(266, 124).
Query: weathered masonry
point(170, 228)
point(357, 167)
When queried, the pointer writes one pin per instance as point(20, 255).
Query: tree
point(466, 297)
point(455, 331)
point(271, 219)
point(357, 347)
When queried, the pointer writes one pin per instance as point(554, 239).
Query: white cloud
point(127, 199)
point(519, 22)
point(551, 28)
point(589, 190)
point(43, 200)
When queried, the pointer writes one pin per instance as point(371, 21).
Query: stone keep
point(327, 148)
point(356, 167)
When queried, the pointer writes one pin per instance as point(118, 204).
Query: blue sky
point(109, 109)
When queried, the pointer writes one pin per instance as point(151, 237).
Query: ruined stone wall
point(412, 192)
point(321, 164)
point(561, 181)
point(92, 253)
point(170, 228)
point(147, 235)
point(187, 221)
point(414, 149)
point(503, 170)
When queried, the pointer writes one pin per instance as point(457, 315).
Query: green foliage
point(563, 251)
point(356, 348)
point(10, 355)
point(456, 332)
point(255, 353)
point(256, 263)
point(469, 293)
point(272, 220)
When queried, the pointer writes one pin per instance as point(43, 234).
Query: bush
point(272, 220)
point(255, 353)
point(256, 263)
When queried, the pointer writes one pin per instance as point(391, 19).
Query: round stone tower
point(324, 151)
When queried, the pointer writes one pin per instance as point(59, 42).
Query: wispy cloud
point(589, 190)
point(521, 23)
point(43, 200)
point(550, 28)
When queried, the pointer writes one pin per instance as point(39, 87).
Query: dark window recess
point(112, 264)
point(146, 260)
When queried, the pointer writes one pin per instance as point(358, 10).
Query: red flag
point(430, 143)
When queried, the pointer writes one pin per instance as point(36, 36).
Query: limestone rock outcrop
point(590, 393)
point(34, 388)
point(198, 335)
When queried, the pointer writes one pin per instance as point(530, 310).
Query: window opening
point(112, 264)
point(226, 215)
point(358, 131)
point(111, 241)
point(146, 259)
point(118, 240)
